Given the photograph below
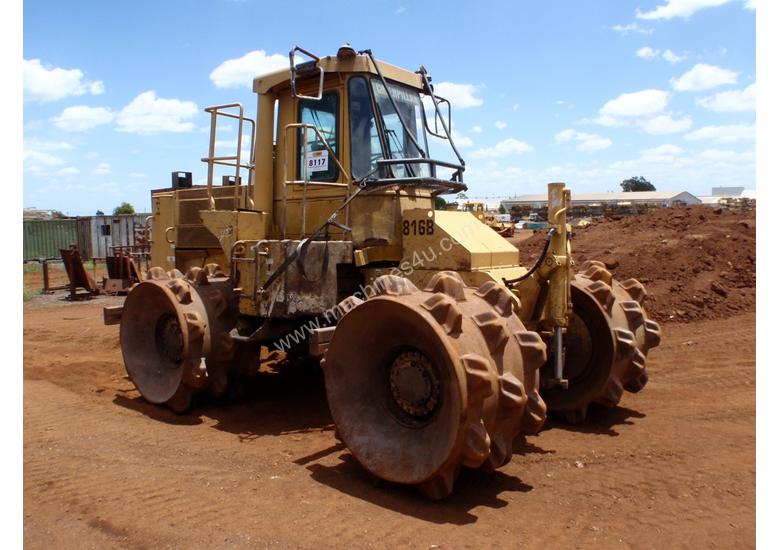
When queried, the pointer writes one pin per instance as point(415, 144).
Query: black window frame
point(377, 117)
point(299, 137)
point(381, 121)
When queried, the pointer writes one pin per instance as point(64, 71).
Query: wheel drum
point(463, 399)
point(173, 329)
point(610, 355)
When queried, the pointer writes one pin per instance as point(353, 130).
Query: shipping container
point(95, 236)
point(45, 238)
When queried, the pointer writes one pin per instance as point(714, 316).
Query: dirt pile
point(697, 262)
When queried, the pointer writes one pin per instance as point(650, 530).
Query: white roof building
point(662, 198)
point(491, 203)
point(727, 193)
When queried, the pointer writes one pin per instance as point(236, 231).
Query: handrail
point(230, 160)
point(428, 90)
point(305, 182)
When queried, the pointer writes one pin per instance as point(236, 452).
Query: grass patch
point(29, 293)
point(31, 267)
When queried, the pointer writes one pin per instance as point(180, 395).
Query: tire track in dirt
point(673, 466)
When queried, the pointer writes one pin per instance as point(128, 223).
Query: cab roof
point(331, 64)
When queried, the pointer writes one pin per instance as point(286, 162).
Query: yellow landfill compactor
point(438, 348)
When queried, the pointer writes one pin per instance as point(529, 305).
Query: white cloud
point(37, 145)
point(645, 109)
point(731, 101)
point(645, 102)
point(68, 171)
point(666, 124)
point(229, 147)
point(238, 72)
point(500, 124)
point(631, 28)
point(461, 140)
point(147, 114)
point(672, 57)
point(593, 142)
point(510, 146)
point(476, 129)
point(461, 96)
point(679, 8)
point(703, 77)
point(587, 142)
point(647, 53)
point(724, 134)
point(662, 150)
point(727, 155)
point(38, 158)
point(80, 118)
point(664, 166)
point(102, 169)
point(750, 5)
point(607, 120)
point(39, 162)
point(50, 84)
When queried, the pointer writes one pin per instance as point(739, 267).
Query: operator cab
point(387, 126)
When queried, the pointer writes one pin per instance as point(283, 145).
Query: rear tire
point(607, 343)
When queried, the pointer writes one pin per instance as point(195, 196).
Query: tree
point(124, 208)
point(99, 213)
point(439, 203)
point(637, 183)
point(501, 209)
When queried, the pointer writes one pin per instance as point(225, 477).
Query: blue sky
point(589, 93)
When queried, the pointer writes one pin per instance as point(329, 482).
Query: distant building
point(36, 214)
point(720, 193)
point(727, 191)
point(635, 198)
point(491, 203)
point(94, 236)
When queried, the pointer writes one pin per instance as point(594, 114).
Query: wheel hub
point(579, 349)
point(414, 386)
point(170, 341)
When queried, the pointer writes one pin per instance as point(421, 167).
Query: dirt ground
point(698, 262)
point(672, 467)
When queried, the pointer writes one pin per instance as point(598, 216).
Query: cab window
point(398, 142)
point(314, 161)
point(365, 145)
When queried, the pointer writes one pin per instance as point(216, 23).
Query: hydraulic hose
point(538, 263)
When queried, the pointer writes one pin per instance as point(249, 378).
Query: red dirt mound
point(697, 262)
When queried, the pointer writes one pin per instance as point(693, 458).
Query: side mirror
point(307, 67)
point(446, 123)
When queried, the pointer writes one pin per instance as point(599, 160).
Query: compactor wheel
point(174, 334)
point(422, 382)
point(607, 343)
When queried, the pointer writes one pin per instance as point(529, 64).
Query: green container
point(45, 238)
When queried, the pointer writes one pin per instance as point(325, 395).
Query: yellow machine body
point(438, 347)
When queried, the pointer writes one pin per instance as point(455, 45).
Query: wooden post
point(45, 266)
